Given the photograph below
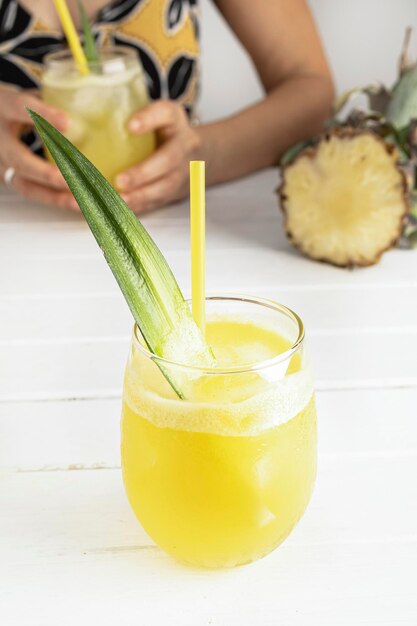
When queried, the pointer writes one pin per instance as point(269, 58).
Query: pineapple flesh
point(345, 199)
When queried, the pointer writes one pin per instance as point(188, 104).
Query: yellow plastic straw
point(72, 36)
point(198, 242)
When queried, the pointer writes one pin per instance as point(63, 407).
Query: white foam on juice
point(243, 404)
point(273, 407)
point(73, 80)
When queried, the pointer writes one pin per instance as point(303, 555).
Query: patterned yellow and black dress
point(164, 34)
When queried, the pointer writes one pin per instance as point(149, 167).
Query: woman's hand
point(34, 177)
point(163, 177)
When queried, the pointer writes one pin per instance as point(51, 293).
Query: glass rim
point(245, 368)
point(66, 55)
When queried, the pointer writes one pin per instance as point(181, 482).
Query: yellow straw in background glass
point(72, 36)
point(198, 242)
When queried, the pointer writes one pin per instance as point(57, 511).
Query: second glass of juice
point(221, 477)
point(99, 106)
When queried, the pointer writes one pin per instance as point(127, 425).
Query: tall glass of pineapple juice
point(221, 478)
point(99, 106)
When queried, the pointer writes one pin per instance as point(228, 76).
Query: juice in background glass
point(99, 106)
point(221, 478)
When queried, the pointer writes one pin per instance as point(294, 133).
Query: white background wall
point(362, 37)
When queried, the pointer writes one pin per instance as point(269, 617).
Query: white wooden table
point(71, 550)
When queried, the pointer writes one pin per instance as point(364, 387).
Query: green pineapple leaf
point(145, 278)
point(291, 153)
point(90, 47)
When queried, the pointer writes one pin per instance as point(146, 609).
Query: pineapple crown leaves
point(398, 105)
point(409, 235)
point(377, 95)
point(405, 62)
point(290, 155)
point(389, 113)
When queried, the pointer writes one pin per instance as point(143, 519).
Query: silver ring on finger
point(8, 176)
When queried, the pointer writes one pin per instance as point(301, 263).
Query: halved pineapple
point(345, 199)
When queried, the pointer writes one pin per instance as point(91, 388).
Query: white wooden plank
point(241, 215)
point(364, 585)
point(72, 239)
point(41, 275)
point(93, 368)
point(63, 257)
point(349, 360)
point(362, 501)
point(371, 422)
point(258, 192)
point(69, 434)
point(17, 210)
point(47, 318)
point(60, 434)
point(95, 315)
point(69, 539)
point(69, 369)
point(233, 269)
